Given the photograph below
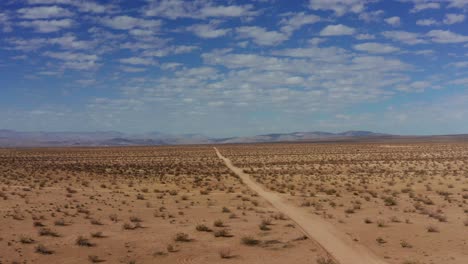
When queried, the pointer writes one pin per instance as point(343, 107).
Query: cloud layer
point(252, 66)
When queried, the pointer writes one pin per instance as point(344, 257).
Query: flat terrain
point(389, 202)
point(407, 203)
point(138, 205)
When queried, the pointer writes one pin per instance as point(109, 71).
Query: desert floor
point(397, 202)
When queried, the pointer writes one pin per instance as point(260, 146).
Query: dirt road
point(337, 244)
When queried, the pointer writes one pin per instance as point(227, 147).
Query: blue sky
point(232, 68)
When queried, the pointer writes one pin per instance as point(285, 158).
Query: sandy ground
point(341, 248)
point(400, 203)
point(138, 205)
point(407, 203)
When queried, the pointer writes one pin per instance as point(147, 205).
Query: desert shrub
point(390, 201)
point(26, 240)
point(218, 223)
point(182, 237)
point(95, 259)
point(83, 242)
point(172, 248)
point(264, 227)
point(48, 232)
point(41, 249)
point(380, 240)
point(97, 235)
point(405, 244)
point(325, 260)
point(203, 228)
point(222, 233)
point(432, 229)
point(250, 241)
point(60, 222)
point(225, 253)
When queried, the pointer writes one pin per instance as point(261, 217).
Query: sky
point(234, 68)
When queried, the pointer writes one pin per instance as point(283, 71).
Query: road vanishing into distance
point(338, 245)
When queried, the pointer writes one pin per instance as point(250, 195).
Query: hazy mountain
point(302, 136)
point(11, 138)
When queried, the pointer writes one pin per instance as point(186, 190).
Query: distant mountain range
point(12, 138)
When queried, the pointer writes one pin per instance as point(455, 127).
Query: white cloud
point(26, 44)
point(337, 30)
point(424, 52)
point(365, 36)
point(371, 16)
point(426, 22)
point(296, 20)
point(87, 6)
point(91, 7)
point(43, 12)
point(5, 23)
point(393, 21)
point(340, 7)
point(404, 36)
point(446, 36)
point(317, 41)
point(459, 64)
point(49, 2)
point(261, 36)
point(453, 18)
point(458, 3)
point(169, 50)
point(424, 5)
point(207, 31)
point(125, 22)
point(69, 41)
point(138, 61)
point(322, 55)
point(372, 47)
point(226, 11)
point(77, 61)
point(48, 26)
point(461, 81)
point(417, 86)
point(174, 9)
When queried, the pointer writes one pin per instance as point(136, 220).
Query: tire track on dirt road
point(336, 243)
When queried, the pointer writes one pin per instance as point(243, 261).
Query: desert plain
point(343, 202)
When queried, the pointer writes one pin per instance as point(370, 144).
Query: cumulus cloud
point(207, 31)
point(70, 41)
point(365, 36)
point(174, 9)
point(261, 36)
point(458, 3)
point(373, 47)
point(187, 58)
point(420, 6)
point(426, 22)
point(5, 23)
point(125, 22)
point(337, 30)
point(137, 61)
point(43, 12)
point(371, 16)
point(83, 6)
point(48, 26)
point(453, 19)
point(169, 50)
point(446, 36)
point(404, 36)
point(416, 86)
point(339, 7)
point(393, 21)
point(76, 61)
point(295, 21)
